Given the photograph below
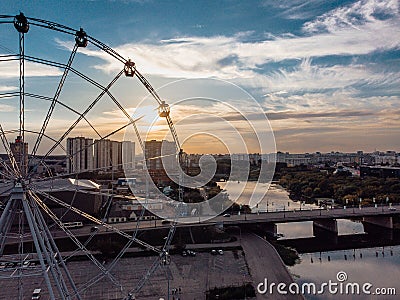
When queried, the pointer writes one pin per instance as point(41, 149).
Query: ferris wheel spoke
point(77, 173)
point(8, 173)
point(22, 166)
point(8, 95)
point(9, 57)
point(70, 156)
point(14, 166)
point(54, 100)
point(67, 107)
point(83, 116)
point(95, 220)
point(121, 252)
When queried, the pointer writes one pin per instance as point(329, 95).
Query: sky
point(326, 74)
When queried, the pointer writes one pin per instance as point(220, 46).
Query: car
point(36, 294)
point(226, 215)
point(165, 222)
point(184, 253)
point(191, 253)
point(94, 228)
point(214, 252)
point(220, 252)
point(392, 208)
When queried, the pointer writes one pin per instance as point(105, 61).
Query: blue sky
point(325, 73)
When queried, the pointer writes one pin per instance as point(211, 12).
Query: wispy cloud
point(7, 88)
point(10, 69)
point(356, 15)
point(4, 108)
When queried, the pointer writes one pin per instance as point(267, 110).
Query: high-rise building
point(79, 154)
point(128, 155)
point(152, 154)
point(19, 149)
point(107, 155)
point(160, 155)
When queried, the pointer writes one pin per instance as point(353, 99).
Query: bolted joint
point(165, 258)
point(21, 23)
point(129, 68)
point(81, 38)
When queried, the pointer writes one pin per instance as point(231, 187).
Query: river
point(259, 197)
point(379, 266)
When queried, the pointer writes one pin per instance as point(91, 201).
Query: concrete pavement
point(264, 262)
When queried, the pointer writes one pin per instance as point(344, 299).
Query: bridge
point(324, 221)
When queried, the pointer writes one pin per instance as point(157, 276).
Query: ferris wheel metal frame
point(25, 200)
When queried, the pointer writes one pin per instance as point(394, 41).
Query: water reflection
point(378, 266)
point(305, 229)
point(264, 197)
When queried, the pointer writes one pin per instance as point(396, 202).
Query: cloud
point(306, 77)
point(295, 9)
point(338, 100)
point(239, 57)
point(10, 69)
point(4, 108)
point(355, 16)
point(7, 88)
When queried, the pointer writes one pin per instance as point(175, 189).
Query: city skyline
point(325, 75)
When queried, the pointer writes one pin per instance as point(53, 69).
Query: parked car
point(191, 253)
point(227, 215)
point(36, 294)
point(94, 228)
point(165, 222)
point(184, 253)
point(214, 252)
point(220, 252)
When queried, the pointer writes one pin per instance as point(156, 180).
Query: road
point(264, 262)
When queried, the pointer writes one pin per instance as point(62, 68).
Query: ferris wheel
point(42, 108)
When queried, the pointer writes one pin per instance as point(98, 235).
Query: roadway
point(265, 262)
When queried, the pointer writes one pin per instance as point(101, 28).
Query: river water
point(379, 266)
point(259, 197)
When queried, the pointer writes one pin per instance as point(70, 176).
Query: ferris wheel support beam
point(56, 251)
point(74, 239)
point(7, 218)
point(36, 236)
